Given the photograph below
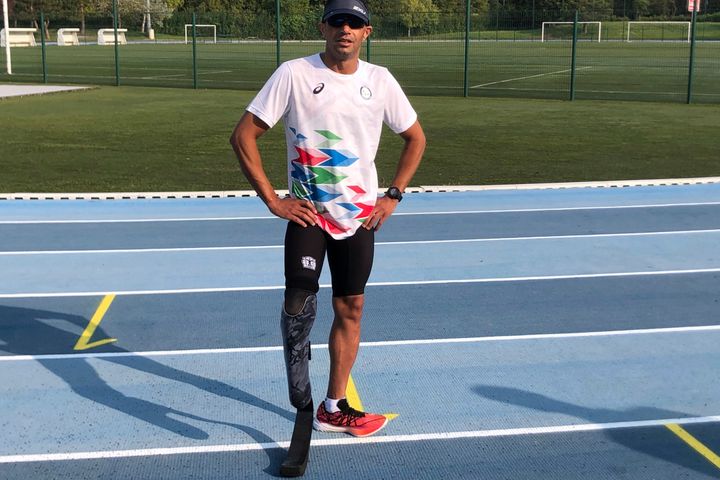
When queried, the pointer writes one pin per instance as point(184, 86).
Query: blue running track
point(512, 334)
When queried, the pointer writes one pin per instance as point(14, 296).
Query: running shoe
point(348, 420)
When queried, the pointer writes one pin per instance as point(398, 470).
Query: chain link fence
point(492, 49)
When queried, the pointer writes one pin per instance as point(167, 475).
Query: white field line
point(527, 77)
point(370, 284)
point(410, 242)
point(187, 75)
point(397, 214)
point(382, 343)
point(508, 432)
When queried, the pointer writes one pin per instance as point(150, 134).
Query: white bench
point(106, 36)
point(19, 37)
point(68, 36)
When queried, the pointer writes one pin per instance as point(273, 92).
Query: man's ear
point(368, 31)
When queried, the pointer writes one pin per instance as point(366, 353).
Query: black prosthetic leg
point(296, 461)
point(296, 322)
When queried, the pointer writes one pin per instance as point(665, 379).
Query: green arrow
point(325, 176)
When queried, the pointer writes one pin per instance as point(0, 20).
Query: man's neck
point(345, 67)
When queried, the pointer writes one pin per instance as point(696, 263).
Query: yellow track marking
point(83, 342)
point(694, 443)
point(354, 401)
point(352, 395)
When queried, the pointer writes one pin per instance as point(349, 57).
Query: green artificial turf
point(158, 139)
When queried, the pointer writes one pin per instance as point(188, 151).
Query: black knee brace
point(296, 322)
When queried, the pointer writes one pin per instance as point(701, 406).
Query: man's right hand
point(301, 212)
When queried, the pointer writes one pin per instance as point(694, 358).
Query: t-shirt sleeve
point(399, 114)
point(271, 103)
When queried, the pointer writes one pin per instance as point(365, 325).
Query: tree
point(418, 13)
point(640, 8)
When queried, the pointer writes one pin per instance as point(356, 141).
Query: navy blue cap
point(346, 7)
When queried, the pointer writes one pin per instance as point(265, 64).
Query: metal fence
point(486, 49)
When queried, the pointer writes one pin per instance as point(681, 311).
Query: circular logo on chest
point(365, 93)
point(319, 88)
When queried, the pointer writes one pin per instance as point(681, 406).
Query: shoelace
point(347, 415)
point(348, 410)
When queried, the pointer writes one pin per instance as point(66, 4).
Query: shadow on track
point(622, 436)
point(26, 331)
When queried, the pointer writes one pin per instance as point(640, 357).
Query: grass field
point(158, 139)
point(655, 71)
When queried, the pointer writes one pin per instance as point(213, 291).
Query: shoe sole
point(326, 427)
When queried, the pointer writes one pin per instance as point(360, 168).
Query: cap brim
point(346, 11)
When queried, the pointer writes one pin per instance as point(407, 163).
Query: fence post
point(367, 44)
point(574, 57)
point(42, 44)
point(115, 30)
point(194, 50)
point(277, 33)
point(6, 26)
point(692, 56)
point(497, 21)
point(466, 86)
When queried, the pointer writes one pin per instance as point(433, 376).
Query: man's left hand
point(384, 207)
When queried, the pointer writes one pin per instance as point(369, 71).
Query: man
point(333, 106)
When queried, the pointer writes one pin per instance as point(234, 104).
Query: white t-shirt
point(332, 126)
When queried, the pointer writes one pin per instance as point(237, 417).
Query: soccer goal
point(203, 33)
point(564, 31)
point(638, 31)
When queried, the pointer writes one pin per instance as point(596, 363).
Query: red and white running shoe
point(348, 420)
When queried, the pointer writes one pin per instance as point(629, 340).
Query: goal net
point(203, 33)
point(564, 31)
point(638, 31)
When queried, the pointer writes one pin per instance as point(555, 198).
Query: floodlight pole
point(6, 23)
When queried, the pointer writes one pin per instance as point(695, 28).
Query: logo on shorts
point(365, 93)
point(309, 263)
point(319, 88)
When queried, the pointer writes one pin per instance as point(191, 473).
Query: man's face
point(344, 35)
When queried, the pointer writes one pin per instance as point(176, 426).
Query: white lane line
point(561, 209)
point(410, 242)
point(136, 220)
point(528, 77)
point(140, 250)
point(507, 432)
point(446, 212)
point(382, 343)
point(100, 293)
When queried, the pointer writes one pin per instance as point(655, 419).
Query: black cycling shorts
point(350, 259)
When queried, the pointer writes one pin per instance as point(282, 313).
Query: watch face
point(394, 193)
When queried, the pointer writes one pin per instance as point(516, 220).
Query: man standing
point(333, 106)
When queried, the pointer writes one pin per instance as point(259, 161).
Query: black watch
point(394, 193)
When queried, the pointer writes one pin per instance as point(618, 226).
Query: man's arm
point(244, 142)
point(407, 166)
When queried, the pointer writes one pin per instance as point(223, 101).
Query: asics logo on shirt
point(319, 88)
